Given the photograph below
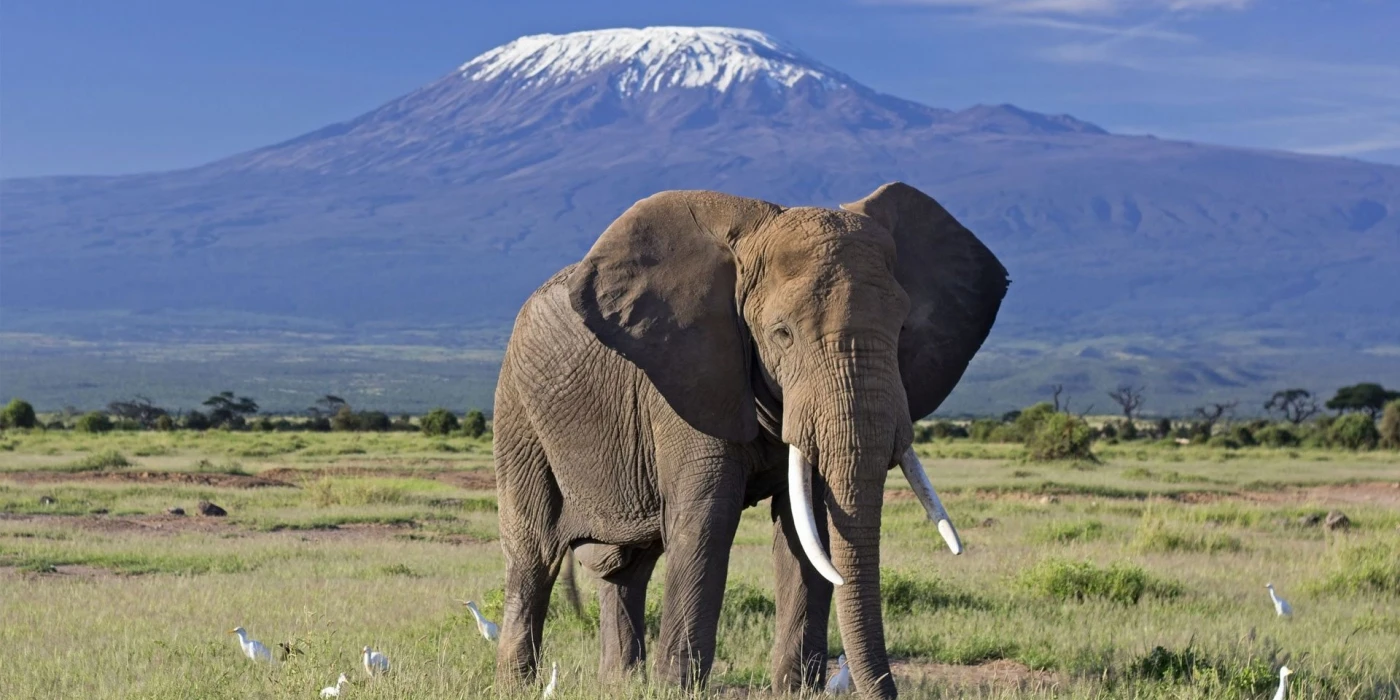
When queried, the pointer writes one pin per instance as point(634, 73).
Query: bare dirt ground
point(177, 524)
point(469, 480)
point(214, 479)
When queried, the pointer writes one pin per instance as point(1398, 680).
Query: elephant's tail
point(570, 582)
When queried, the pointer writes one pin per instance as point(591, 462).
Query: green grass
point(1141, 578)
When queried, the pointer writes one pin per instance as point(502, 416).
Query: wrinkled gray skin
point(650, 392)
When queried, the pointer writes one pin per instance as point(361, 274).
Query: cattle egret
point(333, 691)
point(1283, 675)
point(252, 648)
point(487, 628)
point(1281, 606)
point(840, 684)
point(553, 680)
point(375, 662)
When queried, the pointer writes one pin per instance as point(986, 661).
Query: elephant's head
point(852, 322)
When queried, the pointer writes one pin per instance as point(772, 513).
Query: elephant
point(711, 351)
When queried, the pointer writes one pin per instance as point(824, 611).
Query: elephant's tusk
point(923, 488)
point(800, 497)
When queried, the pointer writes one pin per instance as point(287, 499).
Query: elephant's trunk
point(852, 428)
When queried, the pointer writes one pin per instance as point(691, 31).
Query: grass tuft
point(1120, 583)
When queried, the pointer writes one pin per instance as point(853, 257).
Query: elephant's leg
point(804, 602)
point(622, 598)
point(529, 507)
point(698, 533)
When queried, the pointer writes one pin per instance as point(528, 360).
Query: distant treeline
point(1363, 416)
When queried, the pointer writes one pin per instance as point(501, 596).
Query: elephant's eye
point(782, 336)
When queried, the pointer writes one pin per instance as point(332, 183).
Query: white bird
point(1283, 675)
point(488, 629)
point(375, 662)
point(333, 691)
point(841, 683)
point(252, 648)
point(553, 679)
point(1281, 606)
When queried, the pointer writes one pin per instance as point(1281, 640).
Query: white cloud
point(1077, 7)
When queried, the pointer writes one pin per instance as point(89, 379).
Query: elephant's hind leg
point(622, 598)
point(529, 509)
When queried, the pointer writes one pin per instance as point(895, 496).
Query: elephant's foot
point(622, 606)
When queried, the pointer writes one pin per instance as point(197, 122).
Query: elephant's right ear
point(659, 287)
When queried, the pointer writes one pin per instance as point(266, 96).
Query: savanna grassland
point(1138, 577)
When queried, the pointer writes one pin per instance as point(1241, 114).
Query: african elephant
point(653, 390)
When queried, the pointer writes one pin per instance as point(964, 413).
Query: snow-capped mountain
point(651, 60)
point(447, 205)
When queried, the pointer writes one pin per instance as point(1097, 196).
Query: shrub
point(944, 429)
point(981, 430)
point(164, 422)
point(1108, 432)
point(106, 459)
point(1244, 436)
point(1223, 442)
point(1390, 426)
point(376, 421)
point(1061, 436)
point(345, 420)
point(1164, 427)
point(18, 414)
point(1129, 431)
point(1028, 423)
point(93, 422)
point(195, 420)
point(1120, 583)
point(1354, 431)
point(438, 421)
point(1276, 436)
point(474, 425)
point(742, 601)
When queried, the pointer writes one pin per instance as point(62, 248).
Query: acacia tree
point(1368, 397)
point(327, 405)
point(138, 409)
point(1293, 405)
point(1210, 414)
point(227, 410)
point(1128, 399)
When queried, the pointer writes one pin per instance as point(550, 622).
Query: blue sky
point(89, 87)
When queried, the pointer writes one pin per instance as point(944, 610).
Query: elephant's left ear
point(955, 287)
point(659, 287)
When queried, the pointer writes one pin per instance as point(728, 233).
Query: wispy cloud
point(1152, 30)
point(1076, 7)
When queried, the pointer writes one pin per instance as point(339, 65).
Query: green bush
point(106, 459)
point(1164, 428)
point(474, 425)
point(1354, 431)
point(1276, 436)
point(1061, 436)
point(1120, 583)
point(1243, 436)
point(93, 422)
point(1390, 426)
point(196, 420)
point(982, 429)
point(18, 414)
point(1028, 423)
point(164, 422)
point(438, 421)
point(1129, 430)
point(1223, 442)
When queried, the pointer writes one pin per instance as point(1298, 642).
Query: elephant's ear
point(659, 287)
point(955, 287)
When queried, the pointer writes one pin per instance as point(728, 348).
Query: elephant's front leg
point(804, 602)
point(698, 533)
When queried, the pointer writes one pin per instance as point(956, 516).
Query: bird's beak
point(233, 631)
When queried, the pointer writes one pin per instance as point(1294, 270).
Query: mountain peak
point(651, 59)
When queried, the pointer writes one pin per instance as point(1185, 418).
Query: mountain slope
point(448, 205)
